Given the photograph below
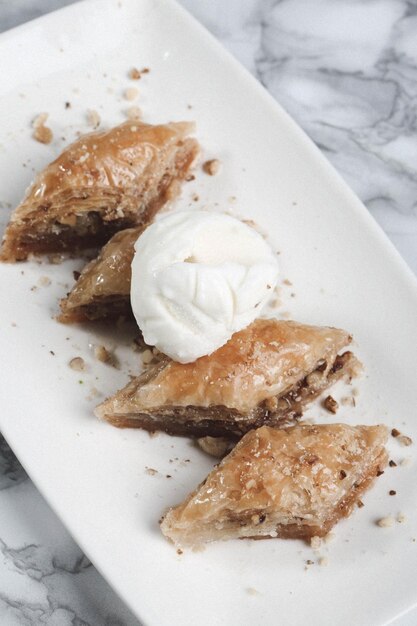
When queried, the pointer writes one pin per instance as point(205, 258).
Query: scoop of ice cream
point(197, 278)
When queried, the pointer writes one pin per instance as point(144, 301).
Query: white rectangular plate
point(343, 272)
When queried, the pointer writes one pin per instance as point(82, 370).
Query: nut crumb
point(386, 522)
point(330, 404)
point(324, 561)
point(392, 463)
point(360, 504)
point(77, 364)
point(395, 432)
point(131, 93)
point(150, 471)
point(392, 492)
point(211, 167)
point(179, 551)
point(93, 118)
point(310, 562)
point(315, 542)
point(134, 113)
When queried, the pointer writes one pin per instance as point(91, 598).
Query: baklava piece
point(102, 183)
point(265, 374)
point(102, 290)
point(294, 483)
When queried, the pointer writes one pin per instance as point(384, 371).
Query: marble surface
point(347, 72)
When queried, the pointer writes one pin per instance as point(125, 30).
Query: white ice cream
point(197, 278)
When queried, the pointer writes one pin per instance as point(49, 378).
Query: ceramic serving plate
point(343, 272)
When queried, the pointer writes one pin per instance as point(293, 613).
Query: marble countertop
point(347, 72)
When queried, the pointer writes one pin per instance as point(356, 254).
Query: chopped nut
point(211, 167)
point(315, 543)
point(392, 463)
point(215, 446)
point(131, 93)
point(77, 364)
point(401, 518)
point(310, 562)
point(330, 404)
point(342, 474)
point(359, 504)
point(93, 118)
point(379, 472)
point(392, 492)
point(386, 522)
point(134, 113)
point(179, 551)
point(395, 432)
point(404, 440)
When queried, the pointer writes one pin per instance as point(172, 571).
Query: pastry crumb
point(134, 113)
point(331, 405)
point(404, 440)
point(41, 133)
point(405, 462)
point(324, 561)
point(93, 118)
point(44, 281)
point(147, 356)
point(214, 446)
point(77, 364)
point(134, 74)
point(401, 518)
point(150, 471)
point(131, 93)
point(105, 356)
point(211, 167)
point(315, 542)
point(329, 537)
point(252, 591)
point(386, 522)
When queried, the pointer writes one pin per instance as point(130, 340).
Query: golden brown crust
point(291, 483)
point(103, 287)
point(265, 374)
point(103, 182)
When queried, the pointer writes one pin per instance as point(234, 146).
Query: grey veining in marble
point(346, 70)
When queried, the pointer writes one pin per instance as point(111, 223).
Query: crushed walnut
point(77, 364)
point(131, 93)
point(93, 118)
point(330, 404)
point(211, 167)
